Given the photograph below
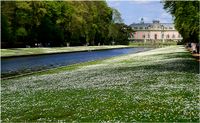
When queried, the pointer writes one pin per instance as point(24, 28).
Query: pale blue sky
point(133, 10)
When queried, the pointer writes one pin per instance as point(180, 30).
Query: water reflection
point(34, 63)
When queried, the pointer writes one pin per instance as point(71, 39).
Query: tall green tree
point(186, 18)
point(58, 23)
point(5, 35)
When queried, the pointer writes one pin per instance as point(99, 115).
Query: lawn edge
point(62, 52)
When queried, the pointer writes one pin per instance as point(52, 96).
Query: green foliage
point(117, 16)
point(59, 23)
point(118, 33)
point(21, 32)
point(186, 18)
point(4, 29)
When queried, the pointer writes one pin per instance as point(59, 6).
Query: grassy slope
point(157, 85)
point(152, 43)
point(32, 51)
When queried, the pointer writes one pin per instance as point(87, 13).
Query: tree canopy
point(60, 23)
point(186, 18)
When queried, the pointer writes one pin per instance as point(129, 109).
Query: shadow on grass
point(171, 62)
point(176, 55)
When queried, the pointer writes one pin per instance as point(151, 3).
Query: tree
point(118, 31)
point(117, 16)
point(186, 18)
point(5, 35)
point(21, 34)
point(59, 22)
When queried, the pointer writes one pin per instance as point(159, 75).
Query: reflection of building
point(154, 31)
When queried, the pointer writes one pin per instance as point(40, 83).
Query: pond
point(36, 63)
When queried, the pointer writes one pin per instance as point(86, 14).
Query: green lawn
point(157, 85)
point(34, 51)
point(155, 44)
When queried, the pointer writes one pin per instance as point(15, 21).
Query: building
point(154, 31)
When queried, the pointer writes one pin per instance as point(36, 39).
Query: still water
point(34, 63)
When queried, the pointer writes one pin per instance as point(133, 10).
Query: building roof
point(155, 22)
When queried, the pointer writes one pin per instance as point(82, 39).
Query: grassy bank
point(156, 85)
point(154, 44)
point(37, 51)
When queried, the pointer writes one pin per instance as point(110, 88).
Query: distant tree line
point(186, 18)
point(61, 23)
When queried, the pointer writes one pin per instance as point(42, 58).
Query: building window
point(162, 35)
point(173, 36)
point(148, 35)
point(135, 28)
point(170, 28)
point(155, 36)
point(167, 36)
point(165, 27)
point(131, 35)
point(141, 28)
point(179, 36)
point(143, 36)
point(146, 27)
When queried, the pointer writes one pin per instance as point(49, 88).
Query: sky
point(133, 10)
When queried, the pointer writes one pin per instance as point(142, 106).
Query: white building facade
point(154, 31)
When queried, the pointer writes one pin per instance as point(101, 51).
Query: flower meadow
point(156, 85)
